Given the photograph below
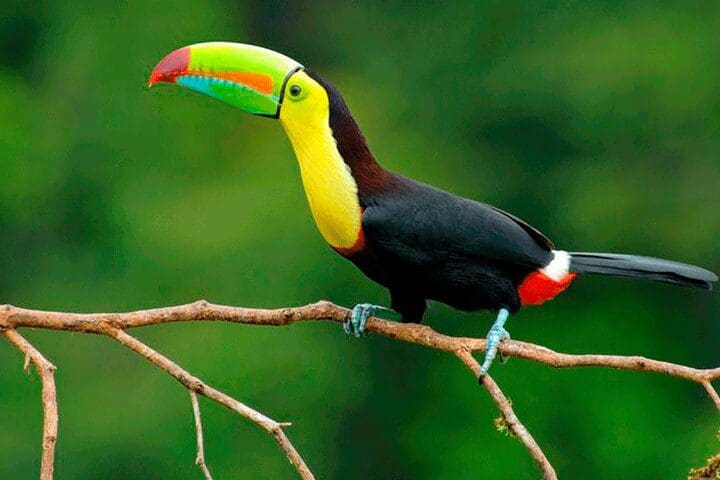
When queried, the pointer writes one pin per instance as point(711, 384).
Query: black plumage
point(423, 243)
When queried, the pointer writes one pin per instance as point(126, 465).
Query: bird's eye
point(295, 90)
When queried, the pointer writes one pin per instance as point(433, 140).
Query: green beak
point(245, 76)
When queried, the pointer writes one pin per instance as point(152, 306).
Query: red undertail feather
point(538, 288)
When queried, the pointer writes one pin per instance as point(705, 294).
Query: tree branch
point(115, 324)
point(46, 370)
point(511, 420)
point(194, 384)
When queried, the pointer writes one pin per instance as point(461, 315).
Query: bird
point(419, 242)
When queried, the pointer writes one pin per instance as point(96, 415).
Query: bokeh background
point(597, 122)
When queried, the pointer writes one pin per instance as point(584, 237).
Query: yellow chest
point(330, 188)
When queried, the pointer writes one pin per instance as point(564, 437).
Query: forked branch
point(114, 325)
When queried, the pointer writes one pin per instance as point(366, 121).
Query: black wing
point(422, 225)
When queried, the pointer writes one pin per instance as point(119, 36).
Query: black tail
point(642, 267)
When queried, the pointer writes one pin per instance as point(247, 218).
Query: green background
point(596, 122)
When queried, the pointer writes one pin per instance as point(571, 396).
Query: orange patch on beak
point(257, 81)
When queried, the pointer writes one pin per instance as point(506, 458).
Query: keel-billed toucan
point(420, 242)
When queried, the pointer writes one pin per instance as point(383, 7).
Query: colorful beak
point(245, 76)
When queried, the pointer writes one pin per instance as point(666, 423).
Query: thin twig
point(200, 457)
point(712, 392)
point(46, 371)
point(114, 324)
point(194, 384)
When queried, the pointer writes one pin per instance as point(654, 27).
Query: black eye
point(295, 90)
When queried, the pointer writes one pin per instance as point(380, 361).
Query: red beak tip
point(169, 68)
point(155, 79)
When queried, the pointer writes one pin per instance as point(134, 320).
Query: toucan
point(419, 242)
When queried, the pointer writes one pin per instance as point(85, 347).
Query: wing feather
point(423, 225)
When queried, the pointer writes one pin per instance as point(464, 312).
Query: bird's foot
point(355, 322)
point(495, 335)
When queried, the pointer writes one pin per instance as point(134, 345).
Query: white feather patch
point(559, 266)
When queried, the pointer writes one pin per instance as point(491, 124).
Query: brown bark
point(114, 325)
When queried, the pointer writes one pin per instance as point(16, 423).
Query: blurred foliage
point(597, 122)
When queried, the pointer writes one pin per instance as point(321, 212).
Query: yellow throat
point(330, 188)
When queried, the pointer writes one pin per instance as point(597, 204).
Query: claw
point(359, 317)
point(354, 323)
point(495, 335)
point(503, 358)
point(346, 324)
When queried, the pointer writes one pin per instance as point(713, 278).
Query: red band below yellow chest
point(538, 288)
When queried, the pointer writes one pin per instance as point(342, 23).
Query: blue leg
point(355, 322)
point(495, 335)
